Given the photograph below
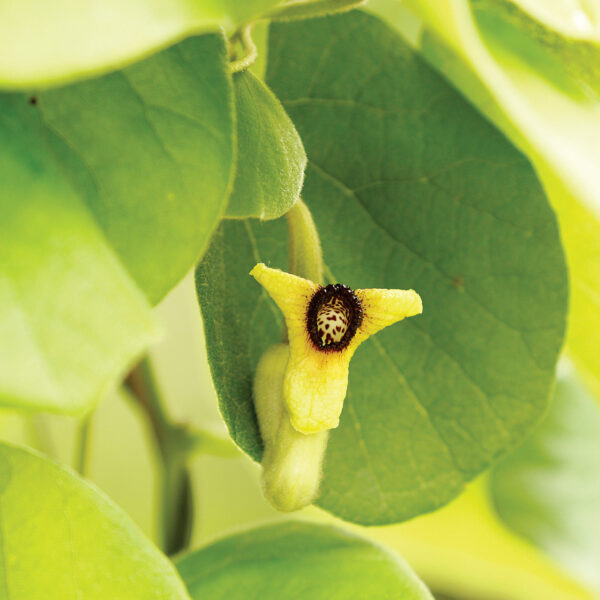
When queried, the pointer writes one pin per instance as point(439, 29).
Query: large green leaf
point(271, 159)
point(549, 490)
point(62, 538)
point(410, 188)
point(535, 73)
point(150, 149)
point(45, 43)
point(297, 561)
point(240, 321)
point(130, 172)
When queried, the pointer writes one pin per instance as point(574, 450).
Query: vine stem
point(295, 9)
point(244, 35)
point(83, 445)
point(176, 443)
point(175, 500)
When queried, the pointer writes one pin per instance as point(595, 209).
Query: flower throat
point(334, 314)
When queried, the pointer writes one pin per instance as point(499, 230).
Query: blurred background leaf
point(548, 490)
point(296, 561)
point(464, 551)
point(61, 286)
point(576, 21)
point(45, 44)
point(62, 538)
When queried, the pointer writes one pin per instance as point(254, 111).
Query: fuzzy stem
point(250, 51)
point(306, 259)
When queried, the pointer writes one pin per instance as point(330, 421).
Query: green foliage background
point(154, 156)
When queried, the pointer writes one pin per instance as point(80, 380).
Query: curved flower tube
point(325, 327)
point(291, 461)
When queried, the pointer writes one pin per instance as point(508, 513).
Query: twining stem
point(142, 384)
point(42, 437)
point(303, 9)
point(83, 444)
point(294, 9)
point(305, 258)
point(244, 36)
point(175, 500)
point(176, 443)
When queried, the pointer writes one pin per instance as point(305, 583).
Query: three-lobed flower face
point(325, 327)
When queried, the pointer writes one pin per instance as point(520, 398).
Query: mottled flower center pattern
point(332, 321)
point(334, 314)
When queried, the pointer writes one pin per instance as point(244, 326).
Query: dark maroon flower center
point(333, 317)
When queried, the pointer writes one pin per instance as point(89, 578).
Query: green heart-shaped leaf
point(150, 149)
point(532, 67)
point(547, 490)
point(297, 561)
point(410, 188)
point(62, 538)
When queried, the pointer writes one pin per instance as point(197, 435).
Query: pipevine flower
point(325, 327)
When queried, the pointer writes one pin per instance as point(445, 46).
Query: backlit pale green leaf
point(549, 490)
point(271, 159)
point(571, 64)
point(71, 319)
point(410, 188)
point(150, 149)
point(577, 20)
point(62, 538)
point(44, 43)
point(297, 561)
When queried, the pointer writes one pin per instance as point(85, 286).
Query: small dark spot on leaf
point(457, 282)
point(33, 100)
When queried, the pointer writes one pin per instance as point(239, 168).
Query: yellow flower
point(325, 327)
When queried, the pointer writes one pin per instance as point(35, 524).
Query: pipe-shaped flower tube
point(291, 461)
